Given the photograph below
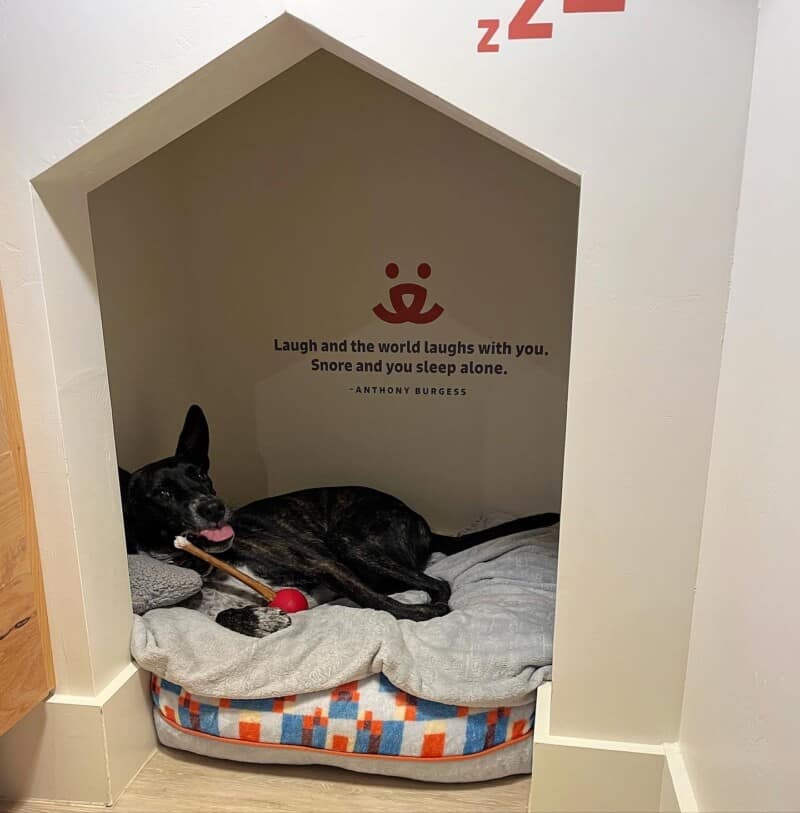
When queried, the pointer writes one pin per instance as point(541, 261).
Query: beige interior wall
point(741, 712)
point(276, 219)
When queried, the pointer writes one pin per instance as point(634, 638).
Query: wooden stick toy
point(185, 545)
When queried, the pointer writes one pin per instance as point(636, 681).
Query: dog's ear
point(193, 442)
point(130, 534)
point(124, 479)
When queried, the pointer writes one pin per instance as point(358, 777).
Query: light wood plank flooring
point(174, 782)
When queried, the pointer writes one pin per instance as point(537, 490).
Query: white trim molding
point(581, 775)
point(81, 749)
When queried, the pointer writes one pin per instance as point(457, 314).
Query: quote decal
point(393, 367)
point(391, 360)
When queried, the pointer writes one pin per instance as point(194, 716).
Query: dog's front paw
point(255, 621)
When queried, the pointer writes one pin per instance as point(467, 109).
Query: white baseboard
point(81, 749)
point(577, 775)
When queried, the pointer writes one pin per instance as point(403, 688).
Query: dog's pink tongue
point(217, 534)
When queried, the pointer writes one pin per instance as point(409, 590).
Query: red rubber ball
point(289, 600)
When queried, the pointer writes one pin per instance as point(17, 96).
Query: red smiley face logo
point(413, 312)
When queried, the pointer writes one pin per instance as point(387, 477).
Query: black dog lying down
point(357, 542)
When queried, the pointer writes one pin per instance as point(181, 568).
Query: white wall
point(275, 220)
point(649, 106)
point(741, 715)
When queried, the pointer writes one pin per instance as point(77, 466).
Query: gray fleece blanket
point(493, 649)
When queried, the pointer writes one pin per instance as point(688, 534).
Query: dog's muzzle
point(213, 540)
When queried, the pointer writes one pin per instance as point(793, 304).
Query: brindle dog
point(355, 541)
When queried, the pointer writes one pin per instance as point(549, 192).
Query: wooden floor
point(175, 782)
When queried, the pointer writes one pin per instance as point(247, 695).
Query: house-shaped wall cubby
point(204, 216)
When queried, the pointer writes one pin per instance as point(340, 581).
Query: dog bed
point(454, 676)
point(367, 725)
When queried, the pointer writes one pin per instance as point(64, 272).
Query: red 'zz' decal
point(486, 46)
point(584, 6)
point(521, 27)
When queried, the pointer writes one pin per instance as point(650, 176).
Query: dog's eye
point(164, 494)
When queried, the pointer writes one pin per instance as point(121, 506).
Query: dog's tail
point(455, 544)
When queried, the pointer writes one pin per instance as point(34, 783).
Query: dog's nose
point(212, 510)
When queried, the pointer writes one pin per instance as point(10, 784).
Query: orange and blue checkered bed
point(369, 716)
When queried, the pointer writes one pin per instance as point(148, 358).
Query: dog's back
point(353, 525)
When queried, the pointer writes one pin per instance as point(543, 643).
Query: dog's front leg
point(233, 611)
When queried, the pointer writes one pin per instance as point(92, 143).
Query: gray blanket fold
point(494, 649)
